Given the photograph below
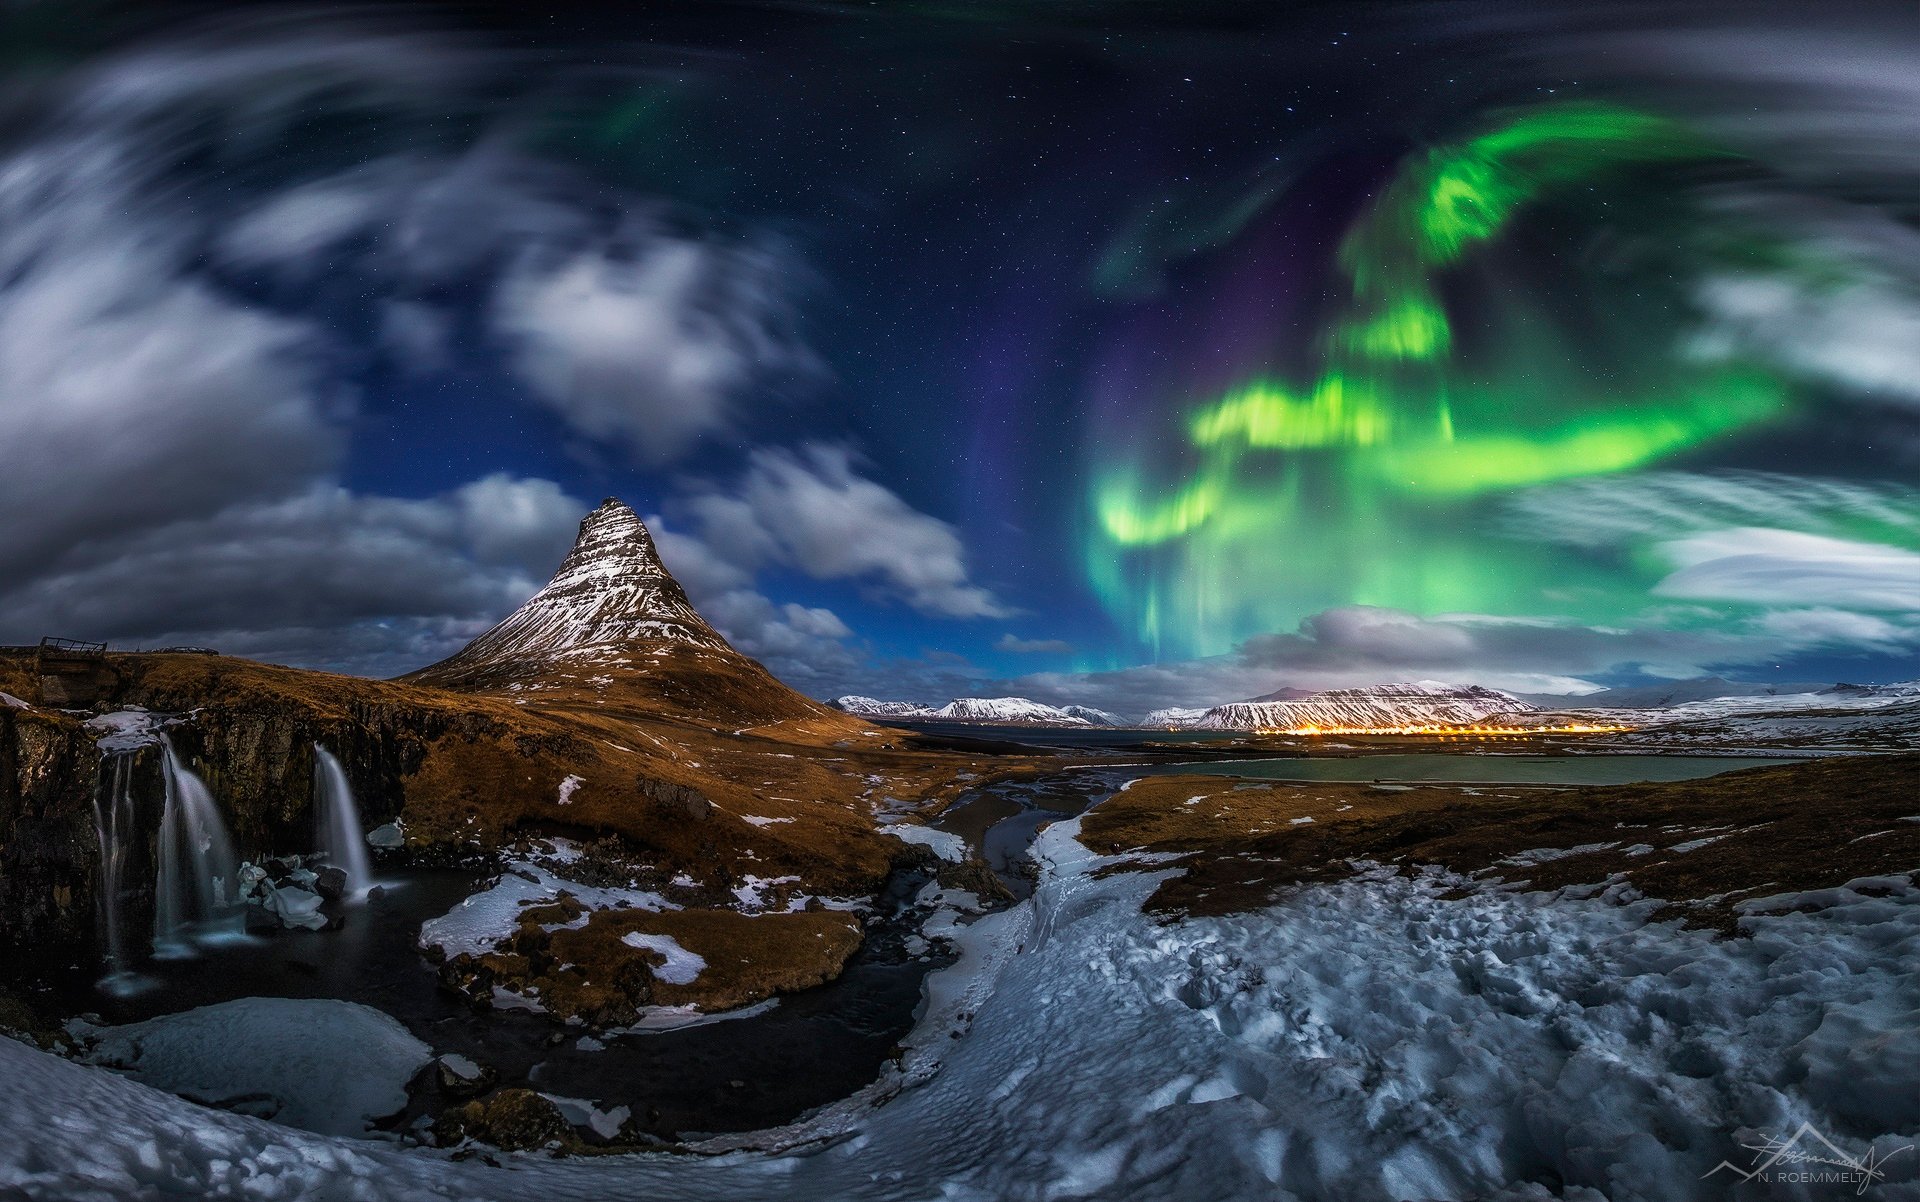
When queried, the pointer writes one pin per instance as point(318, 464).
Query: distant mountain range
point(1422, 703)
point(1418, 703)
point(994, 711)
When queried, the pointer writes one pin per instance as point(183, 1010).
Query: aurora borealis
point(1373, 470)
point(1117, 353)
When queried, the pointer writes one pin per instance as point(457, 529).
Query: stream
point(773, 1065)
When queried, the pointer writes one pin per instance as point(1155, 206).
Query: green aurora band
point(1373, 485)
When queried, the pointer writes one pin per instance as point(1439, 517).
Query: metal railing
point(72, 646)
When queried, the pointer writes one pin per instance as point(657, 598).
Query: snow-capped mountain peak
point(610, 593)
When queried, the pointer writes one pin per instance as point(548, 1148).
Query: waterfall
point(197, 865)
point(113, 823)
point(336, 822)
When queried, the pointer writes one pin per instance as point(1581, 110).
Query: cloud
point(1762, 566)
point(132, 390)
point(1019, 646)
point(649, 341)
point(1844, 310)
point(326, 578)
point(639, 336)
point(803, 645)
point(1622, 511)
point(1812, 628)
point(809, 509)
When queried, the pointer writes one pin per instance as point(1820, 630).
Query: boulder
point(462, 1077)
point(330, 883)
point(386, 838)
point(516, 1120)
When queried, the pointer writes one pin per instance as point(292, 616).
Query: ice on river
point(326, 1066)
point(1382, 1037)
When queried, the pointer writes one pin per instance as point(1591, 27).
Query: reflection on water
point(1474, 769)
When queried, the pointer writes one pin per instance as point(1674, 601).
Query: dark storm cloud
point(280, 578)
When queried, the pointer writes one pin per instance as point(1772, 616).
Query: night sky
point(1130, 354)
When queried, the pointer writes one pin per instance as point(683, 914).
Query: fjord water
point(336, 820)
point(195, 880)
point(1472, 769)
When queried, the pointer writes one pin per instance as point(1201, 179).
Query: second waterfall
point(195, 882)
point(337, 833)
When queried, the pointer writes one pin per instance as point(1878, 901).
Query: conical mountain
point(614, 621)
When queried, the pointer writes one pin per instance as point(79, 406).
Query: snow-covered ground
point(1370, 1039)
point(484, 919)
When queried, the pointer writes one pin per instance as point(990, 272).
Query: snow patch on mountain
point(1002, 711)
point(873, 707)
point(1011, 710)
point(1174, 715)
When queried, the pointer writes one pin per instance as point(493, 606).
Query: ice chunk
point(327, 1066)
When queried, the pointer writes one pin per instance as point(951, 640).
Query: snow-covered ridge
point(1006, 711)
point(611, 591)
point(1174, 715)
point(1421, 703)
point(873, 707)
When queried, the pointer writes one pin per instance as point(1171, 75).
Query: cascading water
point(336, 821)
point(113, 823)
point(196, 880)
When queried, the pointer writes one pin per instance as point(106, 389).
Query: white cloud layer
point(650, 340)
point(808, 509)
point(1762, 566)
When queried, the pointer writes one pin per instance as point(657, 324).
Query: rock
point(516, 1120)
point(461, 1077)
point(330, 883)
point(975, 878)
point(293, 907)
point(260, 921)
point(678, 800)
point(387, 837)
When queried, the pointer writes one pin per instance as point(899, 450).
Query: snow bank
point(325, 1066)
point(484, 919)
point(1370, 1039)
point(124, 730)
point(682, 967)
point(945, 844)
